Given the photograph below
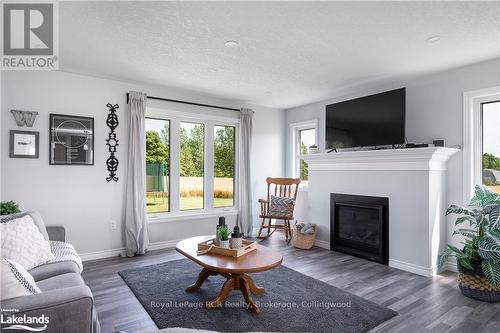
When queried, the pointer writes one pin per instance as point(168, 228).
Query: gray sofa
point(65, 298)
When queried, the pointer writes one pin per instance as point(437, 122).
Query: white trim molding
point(294, 154)
point(191, 215)
point(412, 268)
point(120, 252)
point(322, 244)
point(472, 137)
point(431, 158)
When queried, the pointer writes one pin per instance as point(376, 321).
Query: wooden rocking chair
point(280, 187)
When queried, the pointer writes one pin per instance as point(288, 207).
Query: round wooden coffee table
point(235, 270)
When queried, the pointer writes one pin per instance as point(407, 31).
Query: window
point(190, 164)
point(304, 135)
point(481, 150)
point(224, 149)
point(307, 138)
point(491, 145)
point(157, 165)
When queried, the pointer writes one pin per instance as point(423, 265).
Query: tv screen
point(374, 120)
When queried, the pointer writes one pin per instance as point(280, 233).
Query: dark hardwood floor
point(424, 304)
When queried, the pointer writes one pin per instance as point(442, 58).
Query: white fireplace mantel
point(414, 181)
point(432, 158)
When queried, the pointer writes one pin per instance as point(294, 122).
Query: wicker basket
point(303, 241)
point(473, 284)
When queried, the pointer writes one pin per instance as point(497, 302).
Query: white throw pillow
point(23, 243)
point(16, 281)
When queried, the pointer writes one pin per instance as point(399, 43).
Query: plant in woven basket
point(9, 207)
point(481, 245)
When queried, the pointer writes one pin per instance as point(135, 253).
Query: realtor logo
point(30, 36)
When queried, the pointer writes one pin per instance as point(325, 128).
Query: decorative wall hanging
point(24, 144)
point(112, 142)
point(71, 140)
point(24, 117)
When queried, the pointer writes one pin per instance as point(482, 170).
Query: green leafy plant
point(481, 245)
point(9, 207)
point(223, 233)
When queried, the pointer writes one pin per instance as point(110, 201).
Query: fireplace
point(359, 225)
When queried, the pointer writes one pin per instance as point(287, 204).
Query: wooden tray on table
point(247, 246)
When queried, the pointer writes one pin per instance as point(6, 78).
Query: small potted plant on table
point(223, 235)
point(478, 262)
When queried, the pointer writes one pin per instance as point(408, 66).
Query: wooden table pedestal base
point(243, 282)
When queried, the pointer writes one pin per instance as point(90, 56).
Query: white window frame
point(472, 137)
point(209, 121)
point(294, 143)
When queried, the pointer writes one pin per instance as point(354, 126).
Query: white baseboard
point(412, 268)
point(451, 266)
point(323, 244)
point(102, 254)
point(163, 245)
point(121, 251)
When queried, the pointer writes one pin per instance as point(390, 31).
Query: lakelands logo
point(30, 36)
point(24, 322)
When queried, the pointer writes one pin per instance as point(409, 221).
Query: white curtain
point(136, 233)
point(245, 220)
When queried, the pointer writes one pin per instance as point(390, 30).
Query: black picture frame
point(27, 134)
point(71, 140)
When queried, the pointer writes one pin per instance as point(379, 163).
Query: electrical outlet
point(112, 223)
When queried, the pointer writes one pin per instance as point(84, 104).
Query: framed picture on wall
point(23, 144)
point(71, 140)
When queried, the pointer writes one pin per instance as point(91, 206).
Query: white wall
point(433, 111)
point(79, 197)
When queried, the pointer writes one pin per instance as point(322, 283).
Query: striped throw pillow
point(280, 206)
point(16, 280)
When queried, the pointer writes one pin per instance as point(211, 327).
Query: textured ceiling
point(289, 54)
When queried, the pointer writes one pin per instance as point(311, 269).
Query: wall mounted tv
point(374, 120)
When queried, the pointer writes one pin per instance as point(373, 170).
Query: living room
point(343, 140)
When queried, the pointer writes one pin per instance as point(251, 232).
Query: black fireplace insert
point(359, 225)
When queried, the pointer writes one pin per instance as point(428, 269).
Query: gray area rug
point(293, 302)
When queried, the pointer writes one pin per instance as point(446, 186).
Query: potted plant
point(313, 149)
point(478, 262)
point(9, 207)
point(223, 235)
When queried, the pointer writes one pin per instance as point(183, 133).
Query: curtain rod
point(190, 103)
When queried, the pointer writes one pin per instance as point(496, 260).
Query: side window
point(491, 145)
point(157, 165)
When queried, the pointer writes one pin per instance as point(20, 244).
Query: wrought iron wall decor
point(24, 117)
point(112, 142)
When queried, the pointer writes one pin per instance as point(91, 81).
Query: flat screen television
point(375, 120)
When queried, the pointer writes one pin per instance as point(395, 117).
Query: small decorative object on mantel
point(236, 238)
point(24, 117)
point(71, 140)
point(112, 142)
point(23, 144)
point(478, 262)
